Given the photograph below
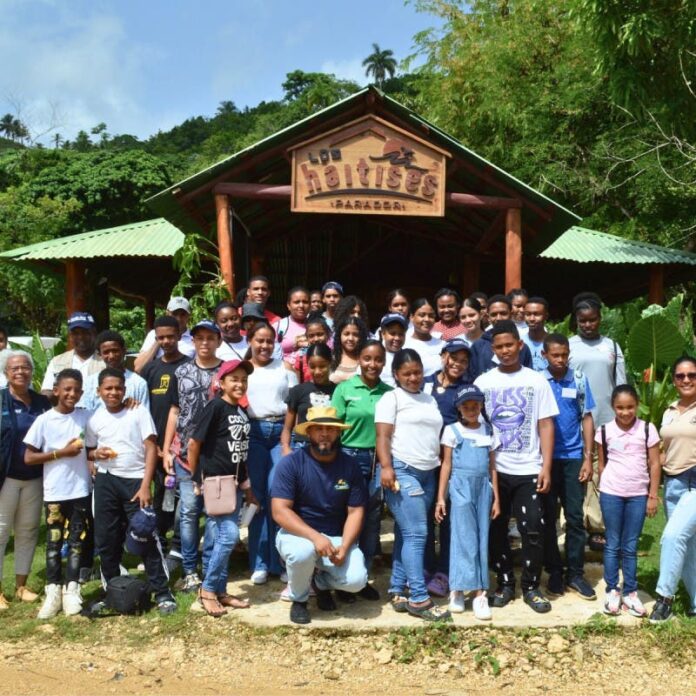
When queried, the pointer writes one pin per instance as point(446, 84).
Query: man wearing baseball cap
point(180, 309)
point(318, 499)
point(83, 356)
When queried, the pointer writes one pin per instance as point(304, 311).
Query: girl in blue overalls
point(468, 467)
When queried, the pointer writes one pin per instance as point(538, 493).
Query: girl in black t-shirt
point(220, 443)
point(303, 396)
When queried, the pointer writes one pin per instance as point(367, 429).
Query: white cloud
point(350, 69)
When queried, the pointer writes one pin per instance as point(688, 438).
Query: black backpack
point(127, 595)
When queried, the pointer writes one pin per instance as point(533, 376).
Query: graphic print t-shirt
point(308, 395)
point(223, 430)
point(515, 403)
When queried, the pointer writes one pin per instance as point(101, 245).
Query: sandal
point(229, 600)
point(429, 612)
point(211, 605)
point(399, 603)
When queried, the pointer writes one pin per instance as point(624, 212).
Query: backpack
point(127, 595)
point(605, 448)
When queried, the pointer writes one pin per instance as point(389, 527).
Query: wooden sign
point(368, 166)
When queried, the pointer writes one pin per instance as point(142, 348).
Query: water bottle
point(169, 493)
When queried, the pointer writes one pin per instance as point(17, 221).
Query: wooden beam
point(513, 249)
point(257, 191)
point(224, 237)
point(491, 234)
point(656, 284)
point(473, 200)
point(75, 297)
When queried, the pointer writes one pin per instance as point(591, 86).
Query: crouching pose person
point(318, 499)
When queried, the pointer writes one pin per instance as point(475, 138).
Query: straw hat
point(321, 415)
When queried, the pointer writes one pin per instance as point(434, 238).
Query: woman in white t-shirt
point(267, 392)
point(427, 345)
point(408, 448)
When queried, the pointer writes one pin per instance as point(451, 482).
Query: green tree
point(379, 64)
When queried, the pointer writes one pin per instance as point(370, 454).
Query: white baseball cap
point(179, 303)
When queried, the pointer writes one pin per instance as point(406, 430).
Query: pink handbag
point(220, 494)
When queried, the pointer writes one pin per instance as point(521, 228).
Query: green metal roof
point(166, 202)
point(589, 246)
point(156, 237)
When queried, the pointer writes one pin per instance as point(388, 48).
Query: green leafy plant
point(41, 357)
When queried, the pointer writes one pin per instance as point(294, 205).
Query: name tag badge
point(569, 393)
point(483, 441)
point(428, 388)
point(495, 360)
point(617, 445)
point(667, 419)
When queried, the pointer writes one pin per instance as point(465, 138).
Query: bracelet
point(54, 455)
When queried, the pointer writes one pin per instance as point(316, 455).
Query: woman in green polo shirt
point(354, 401)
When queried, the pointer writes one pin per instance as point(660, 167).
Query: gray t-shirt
point(596, 358)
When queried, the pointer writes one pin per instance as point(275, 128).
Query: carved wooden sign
point(368, 166)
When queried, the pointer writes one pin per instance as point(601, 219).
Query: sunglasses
point(681, 376)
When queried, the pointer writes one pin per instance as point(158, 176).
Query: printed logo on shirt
point(238, 444)
point(163, 385)
point(511, 412)
point(342, 485)
point(320, 399)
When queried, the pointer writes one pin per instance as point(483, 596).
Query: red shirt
point(449, 331)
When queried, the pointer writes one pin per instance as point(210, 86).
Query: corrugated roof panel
point(156, 237)
point(589, 246)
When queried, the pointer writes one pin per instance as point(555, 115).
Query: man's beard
point(324, 448)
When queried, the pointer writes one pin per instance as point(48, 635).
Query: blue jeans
point(678, 554)
point(190, 509)
point(676, 486)
point(369, 536)
point(301, 560)
point(223, 532)
point(623, 519)
point(410, 506)
point(264, 453)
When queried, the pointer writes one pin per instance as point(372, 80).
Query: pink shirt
point(626, 472)
point(290, 329)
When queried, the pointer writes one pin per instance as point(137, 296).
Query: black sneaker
point(502, 596)
point(325, 600)
point(370, 593)
point(537, 601)
point(346, 597)
point(662, 611)
point(579, 585)
point(299, 613)
point(555, 586)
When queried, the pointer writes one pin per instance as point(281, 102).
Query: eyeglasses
point(681, 376)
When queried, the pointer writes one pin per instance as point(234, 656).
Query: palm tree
point(7, 125)
point(380, 63)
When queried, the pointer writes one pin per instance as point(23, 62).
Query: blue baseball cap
point(81, 320)
point(393, 318)
point(206, 324)
point(141, 531)
point(332, 285)
point(455, 345)
point(469, 393)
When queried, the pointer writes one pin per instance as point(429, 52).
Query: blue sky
point(145, 66)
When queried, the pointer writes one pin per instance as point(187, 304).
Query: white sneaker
point(456, 602)
point(612, 603)
point(632, 604)
point(72, 599)
point(259, 577)
point(53, 602)
point(481, 609)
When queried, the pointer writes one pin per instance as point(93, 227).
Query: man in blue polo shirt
point(571, 468)
point(318, 499)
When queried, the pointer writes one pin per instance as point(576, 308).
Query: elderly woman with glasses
point(21, 489)
point(678, 546)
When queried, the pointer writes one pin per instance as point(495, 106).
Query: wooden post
point(149, 312)
point(656, 284)
point(470, 275)
point(513, 249)
point(224, 237)
point(75, 298)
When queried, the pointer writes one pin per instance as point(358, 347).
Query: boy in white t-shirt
point(56, 440)
point(521, 406)
point(123, 445)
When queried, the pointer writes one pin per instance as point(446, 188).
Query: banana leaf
point(654, 341)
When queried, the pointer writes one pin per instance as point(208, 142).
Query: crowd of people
point(466, 419)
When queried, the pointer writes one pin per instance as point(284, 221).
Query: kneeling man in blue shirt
point(318, 499)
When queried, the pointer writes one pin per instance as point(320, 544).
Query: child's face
point(167, 338)
point(498, 311)
point(234, 384)
point(68, 392)
point(206, 343)
point(455, 364)
point(625, 407)
point(557, 357)
point(316, 334)
point(112, 391)
point(518, 303)
point(331, 298)
point(469, 318)
point(229, 322)
point(470, 411)
point(350, 338)
point(319, 369)
point(507, 349)
point(112, 353)
point(298, 306)
point(399, 305)
point(394, 336)
point(447, 308)
point(315, 303)
point(535, 315)
point(372, 362)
